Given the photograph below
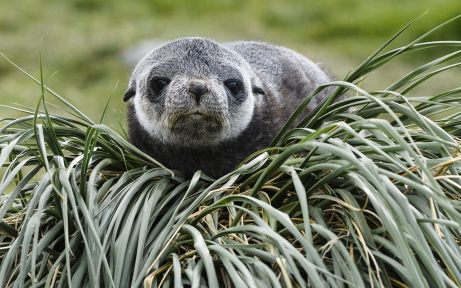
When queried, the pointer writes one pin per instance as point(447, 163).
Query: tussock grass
point(364, 192)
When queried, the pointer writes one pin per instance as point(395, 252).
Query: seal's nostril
point(197, 90)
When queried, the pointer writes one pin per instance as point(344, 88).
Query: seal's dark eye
point(158, 84)
point(234, 86)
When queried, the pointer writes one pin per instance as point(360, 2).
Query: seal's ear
point(129, 93)
point(258, 90)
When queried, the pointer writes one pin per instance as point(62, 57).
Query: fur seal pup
point(196, 104)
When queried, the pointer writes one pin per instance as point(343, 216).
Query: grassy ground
point(364, 193)
point(81, 40)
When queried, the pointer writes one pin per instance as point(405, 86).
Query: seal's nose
point(197, 90)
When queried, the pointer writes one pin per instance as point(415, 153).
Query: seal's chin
point(196, 125)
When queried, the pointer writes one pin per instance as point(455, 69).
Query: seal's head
point(193, 92)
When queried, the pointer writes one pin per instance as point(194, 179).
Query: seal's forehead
point(194, 57)
point(191, 48)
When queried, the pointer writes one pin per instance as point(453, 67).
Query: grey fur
point(216, 130)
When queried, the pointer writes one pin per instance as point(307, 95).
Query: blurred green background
point(81, 40)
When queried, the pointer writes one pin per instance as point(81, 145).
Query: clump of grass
point(364, 192)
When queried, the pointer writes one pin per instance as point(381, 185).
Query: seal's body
point(195, 104)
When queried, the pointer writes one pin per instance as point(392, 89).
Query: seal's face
point(192, 92)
